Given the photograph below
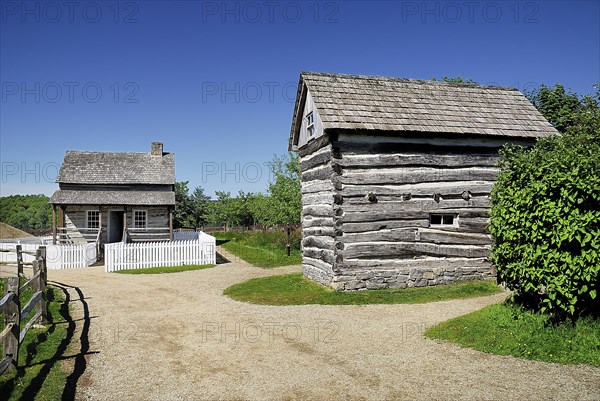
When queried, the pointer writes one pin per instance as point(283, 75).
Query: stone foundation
point(350, 280)
point(318, 275)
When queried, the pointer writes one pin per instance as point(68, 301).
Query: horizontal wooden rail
point(32, 253)
point(30, 304)
point(28, 325)
point(29, 282)
point(5, 300)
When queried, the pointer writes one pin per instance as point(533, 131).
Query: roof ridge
point(116, 152)
point(409, 80)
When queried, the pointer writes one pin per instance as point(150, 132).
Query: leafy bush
point(546, 221)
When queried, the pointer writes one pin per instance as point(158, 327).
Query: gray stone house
point(397, 173)
point(115, 196)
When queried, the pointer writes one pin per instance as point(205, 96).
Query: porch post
point(100, 224)
point(61, 222)
point(124, 219)
point(53, 224)
point(171, 223)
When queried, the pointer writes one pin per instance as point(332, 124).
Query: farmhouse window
point(310, 124)
point(140, 219)
point(92, 219)
point(443, 220)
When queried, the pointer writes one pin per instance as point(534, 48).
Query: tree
point(260, 209)
point(221, 210)
point(285, 201)
point(200, 203)
point(26, 212)
point(184, 208)
point(558, 106)
point(242, 214)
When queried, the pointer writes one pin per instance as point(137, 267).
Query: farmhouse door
point(115, 226)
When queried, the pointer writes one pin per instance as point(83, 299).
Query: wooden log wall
point(318, 228)
point(367, 205)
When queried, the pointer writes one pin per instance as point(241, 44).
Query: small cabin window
point(310, 124)
point(92, 219)
point(443, 220)
point(140, 219)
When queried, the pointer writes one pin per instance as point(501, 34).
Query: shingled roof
point(136, 198)
point(357, 102)
point(116, 168)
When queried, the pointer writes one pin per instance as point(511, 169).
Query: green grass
point(263, 248)
point(164, 269)
point(40, 375)
point(506, 329)
point(263, 256)
point(294, 289)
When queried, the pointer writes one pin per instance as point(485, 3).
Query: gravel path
point(176, 337)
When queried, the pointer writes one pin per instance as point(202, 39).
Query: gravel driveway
point(176, 337)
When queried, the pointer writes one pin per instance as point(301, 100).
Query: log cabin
point(114, 197)
point(396, 176)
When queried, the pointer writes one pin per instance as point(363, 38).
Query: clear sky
point(216, 81)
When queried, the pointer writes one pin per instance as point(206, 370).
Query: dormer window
point(310, 124)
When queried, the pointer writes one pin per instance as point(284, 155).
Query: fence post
point(12, 315)
point(40, 283)
point(19, 260)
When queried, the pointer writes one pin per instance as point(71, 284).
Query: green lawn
point(262, 248)
point(263, 256)
point(40, 375)
point(506, 329)
point(294, 289)
point(164, 269)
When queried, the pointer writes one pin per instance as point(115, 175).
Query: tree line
point(281, 205)
point(26, 212)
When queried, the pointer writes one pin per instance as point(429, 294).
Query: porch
point(80, 224)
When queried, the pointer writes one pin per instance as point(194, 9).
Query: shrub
point(545, 218)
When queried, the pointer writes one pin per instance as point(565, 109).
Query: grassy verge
point(505, 329)
point(165, 269)
point(262, 248)
point(40, 375)
point(293, 289)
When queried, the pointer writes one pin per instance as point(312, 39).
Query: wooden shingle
point(398, 104)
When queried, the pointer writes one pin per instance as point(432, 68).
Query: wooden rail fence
point(14, 313)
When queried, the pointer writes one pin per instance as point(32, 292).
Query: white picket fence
point(11, 255)
point(71, 256)
point(122, 256)
point(57, 256)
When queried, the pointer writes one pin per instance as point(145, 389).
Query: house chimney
point(157, 149)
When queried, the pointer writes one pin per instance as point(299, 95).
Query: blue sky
point(215, 81)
